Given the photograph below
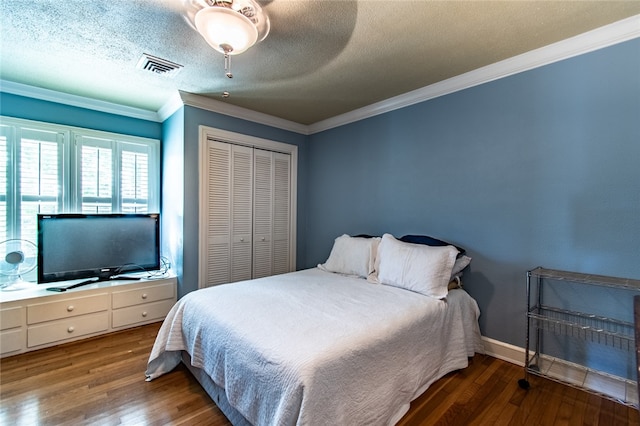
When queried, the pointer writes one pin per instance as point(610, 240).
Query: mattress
point(318, 348)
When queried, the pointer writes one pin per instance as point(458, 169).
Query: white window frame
point(70, 196)
point(119, 143)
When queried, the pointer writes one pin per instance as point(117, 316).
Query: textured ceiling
point(321, 58)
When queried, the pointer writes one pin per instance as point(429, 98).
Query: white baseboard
point(612, 387)
point(504, 351)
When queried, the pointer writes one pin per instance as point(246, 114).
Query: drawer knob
point(70, 308)
point(144, 295)
point(70, 329)
point(144, 314)
point(262, 238)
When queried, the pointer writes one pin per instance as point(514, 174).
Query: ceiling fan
point(229, 26)
point(285, 32)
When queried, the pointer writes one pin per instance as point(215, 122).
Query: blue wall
point(51, 112)
point(179, 136)
point(172, 207)
point(540, 168)
point(195, 117)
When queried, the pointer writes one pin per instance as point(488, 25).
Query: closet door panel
point(245, 213)
point(281, 213)
point(218, 223)
point(262, 213)
point(241, 212)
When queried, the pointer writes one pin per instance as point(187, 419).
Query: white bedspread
point(317, 348)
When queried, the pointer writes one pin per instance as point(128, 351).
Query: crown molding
point(618, 32)
point(76, 101)
point(171, 106)
point(213, 105)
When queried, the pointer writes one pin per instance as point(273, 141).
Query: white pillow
point(352, 256)
point(416, 267)
point(460, 263)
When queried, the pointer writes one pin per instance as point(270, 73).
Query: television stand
point(54, 318)
point(92, 281)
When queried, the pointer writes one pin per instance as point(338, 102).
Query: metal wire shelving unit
point(603, 330)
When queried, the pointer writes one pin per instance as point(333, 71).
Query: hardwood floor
point(100, 381)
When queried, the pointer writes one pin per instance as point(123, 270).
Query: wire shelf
point(599, 329)
point(575, 277)
point(542, 317)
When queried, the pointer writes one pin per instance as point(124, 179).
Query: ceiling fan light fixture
point(226, 30)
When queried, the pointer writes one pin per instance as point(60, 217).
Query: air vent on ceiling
point(158, 65)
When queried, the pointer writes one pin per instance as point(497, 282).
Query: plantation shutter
point(48, 168)
point(32, 160)
point(114, 176)
point(97, 180)
point(5, 166)
point(134, 178)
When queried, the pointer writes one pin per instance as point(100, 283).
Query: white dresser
point(36, 318)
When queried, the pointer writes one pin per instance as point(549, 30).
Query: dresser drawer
point(68, 328)
point(11, 341)
point(67, 308)
point(11, 317)
point(141, 313)
point(153, 293)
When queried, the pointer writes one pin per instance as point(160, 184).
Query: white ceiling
point(321, 59)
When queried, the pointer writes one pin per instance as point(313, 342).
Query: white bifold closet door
point(247, 213)
point(271, 185)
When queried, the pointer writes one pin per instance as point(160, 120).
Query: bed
point(322, 346)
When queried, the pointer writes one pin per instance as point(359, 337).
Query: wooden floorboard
point(100, 381)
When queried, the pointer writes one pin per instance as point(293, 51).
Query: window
point(5, 168)
point(47, 168)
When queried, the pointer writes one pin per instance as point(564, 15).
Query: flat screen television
point(102, 246)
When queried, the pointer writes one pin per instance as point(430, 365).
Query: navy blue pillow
point(430, 241)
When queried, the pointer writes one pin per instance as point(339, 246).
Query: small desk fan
point(17, 258)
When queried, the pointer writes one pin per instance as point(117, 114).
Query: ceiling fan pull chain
point(227, 65)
